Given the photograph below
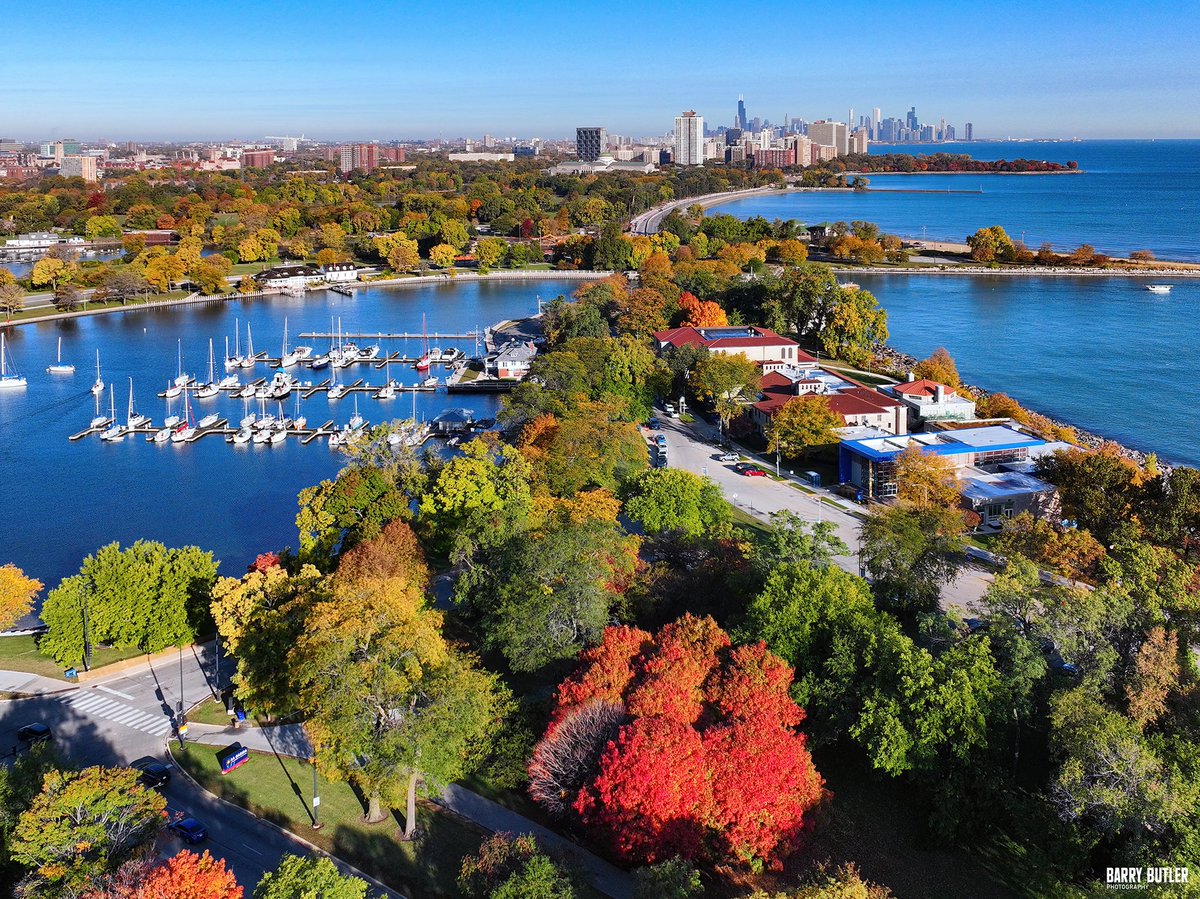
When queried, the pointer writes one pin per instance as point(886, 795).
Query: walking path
point(291, 740)
point(24, 683)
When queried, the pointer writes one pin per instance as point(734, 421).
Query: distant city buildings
point(590, 143)
point(251, 159)
point(76, 166)
point(364, 157)
point(689, 138)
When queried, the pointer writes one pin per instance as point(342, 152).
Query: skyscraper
point(913, 123)
point(590, 143)
point(875, 113)
point(970, 131)
point(830, 134)
point(741, 113)
point(689, 138)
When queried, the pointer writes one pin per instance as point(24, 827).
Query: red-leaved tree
point(679, 743)
point(183, 876)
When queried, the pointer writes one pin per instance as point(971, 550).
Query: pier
point(326, 335)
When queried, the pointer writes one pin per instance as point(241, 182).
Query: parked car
point(729, 457)
point(750, 471)
point(152, 773)
point(653, 422)
point(35, 733)
point(189, 830)
point(660, 439)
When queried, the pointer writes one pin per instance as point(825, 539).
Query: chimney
point(939, 393)
point(911, 377)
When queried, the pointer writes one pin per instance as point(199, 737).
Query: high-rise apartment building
point(875, 114)
point(830, 134)
point(79, 167)
point(970, 131)
point(689, 138)
point(257, 159)
point(858, 141)
point(911, 121)
point(590, 143)
point(358, 156)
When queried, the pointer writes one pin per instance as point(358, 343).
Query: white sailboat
point(388, 390)
point(132, 418)
point(9, 378)
point(172, 391)
point(115, 431)
point(248, 361)
point(99, 420)
point(235, 361)
point(286, 359)
point(98, 387)
point(298, 421)
point(247, 391)
point(181, 380)
point(162, 435)
point(243, 436)
point(209, 420)
point(356, 420)
point(59, 368)
point(210, 388)
point(185, 430)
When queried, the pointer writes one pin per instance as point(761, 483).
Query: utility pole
point(180, 722)
point(316, 800)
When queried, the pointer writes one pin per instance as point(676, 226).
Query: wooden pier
point(437, 335)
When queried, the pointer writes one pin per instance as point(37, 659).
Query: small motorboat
point(318, 362)
point(1159, 288)
point(162, 435)
point(246, 392)
point(209, 420)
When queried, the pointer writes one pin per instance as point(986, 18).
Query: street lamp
point(87, 644)
point(316, 800)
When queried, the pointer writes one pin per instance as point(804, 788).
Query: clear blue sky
point(222, 69)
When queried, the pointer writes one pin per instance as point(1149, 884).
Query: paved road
point(650, 222)
point(693, 448)
point(123, 717)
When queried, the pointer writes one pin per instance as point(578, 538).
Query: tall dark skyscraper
point(970, 131)
point(913, 122)
point(741, 113)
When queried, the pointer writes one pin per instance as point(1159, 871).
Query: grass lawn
point(212, 712)
point(746, 521)
point(91, 306)
point(280, 790)
point(21, 654)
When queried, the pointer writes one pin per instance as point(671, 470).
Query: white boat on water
point(59, 367)
point(98, 420)
point(286, 359)
point(388, 390)
point(132, 418)
point(278, 435)
point(162, 435)
point(234, 362)
point(247, 392)
point(356, 420)
point(262, 436)
point(337, 391)
point(209, 420)
point(229, 382)
point(181, 380)
point(299, 422)
point(1159, 288)
point(282, 384)
point(9, 378)
point(245, 435)
point(98, 387)
point(115, 431)
point(210, 388)
point(248, 361)
point(319, 362)
point(172, 391)
point(184, 431)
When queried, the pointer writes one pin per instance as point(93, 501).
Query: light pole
point(181, 724)
point(87, 644)
point(316, 801)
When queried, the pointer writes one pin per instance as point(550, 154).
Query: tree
point(67, 297)
point(488, 252)
point(336, 515)
point(643, 313)
point(587, 448)
point(728, 381)
point(611, 251)
point(388, 699)
point(568, 757)
point(146, 596)
point(670, 499)
point(911, 554)
point(938, 367)
point(121, 284)
point(311, 877)
point(1098, 488)
point(990, 244)
point(210, 274)
point(855, 325)
point(16, 595)
point(50, 270)
point(675, 878)
point(792, 252)
point(709, 764)
point(513, 867)
point(98, 227)
point(82, 826)
point(12, 298)
point(1156, 675)
point(800, 424)
point(791, 539)
point(443, 255)
point(183, 876)
point(699, 314)
point(926, 481)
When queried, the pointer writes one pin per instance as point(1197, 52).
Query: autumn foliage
point(707, 764)
point(699, 314)
point(183, 876)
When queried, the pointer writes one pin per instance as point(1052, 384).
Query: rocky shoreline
point(898, 364)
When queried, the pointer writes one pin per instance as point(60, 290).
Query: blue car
point(652, 423)
point(189, 830)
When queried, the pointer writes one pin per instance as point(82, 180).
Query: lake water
point(61, 500)
point(1100, 353)
point(1130, 195)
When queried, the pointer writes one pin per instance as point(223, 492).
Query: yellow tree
point(50, 270)
point(728, 381)
point(938, 367)
point(926, 481)
point(802, 423)
point(443, 256)
point(16, 595)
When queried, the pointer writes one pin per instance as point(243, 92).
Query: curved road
point(650, 222)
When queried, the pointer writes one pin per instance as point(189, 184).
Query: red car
point(750, 471)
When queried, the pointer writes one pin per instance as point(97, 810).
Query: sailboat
point(425, 360)
point(210, 388)
point(185, 430)
point(181, 380)
point(388, 390)
point(9, 379)
point(286, 359)
point(115, 431)
point(298, 420)
point(248, 361)
point(133, 419)
point(172, 391)
point(279, 434)
point(98, 387)
point(229, 382)
point(59, 368)
point(356, 420)
point(99, 420)
point(235, 361)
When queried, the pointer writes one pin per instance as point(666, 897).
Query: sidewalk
point(291, 740)
point(32, 684)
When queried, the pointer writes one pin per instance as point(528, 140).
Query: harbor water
point(62, 499)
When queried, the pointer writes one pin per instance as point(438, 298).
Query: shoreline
point(1050, 271)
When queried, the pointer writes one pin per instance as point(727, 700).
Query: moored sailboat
point(59, 367)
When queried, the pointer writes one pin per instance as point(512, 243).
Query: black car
point(189, 830)
point(152, 773)
point(35, 733)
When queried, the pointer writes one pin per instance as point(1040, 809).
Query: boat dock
point(326, 335)
point(96, 430)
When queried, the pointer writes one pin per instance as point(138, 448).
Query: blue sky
point(220, 69)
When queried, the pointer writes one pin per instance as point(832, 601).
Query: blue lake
point(1130, 195)
point(61, 500)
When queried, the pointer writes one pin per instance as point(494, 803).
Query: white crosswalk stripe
point(118, 713)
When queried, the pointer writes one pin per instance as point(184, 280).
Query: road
point(650, 221)
point(117, 719)
point(693, 448)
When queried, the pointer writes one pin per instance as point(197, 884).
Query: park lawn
point(21, 654)
point(747, 522)
point(280, 790)
point(93, 306)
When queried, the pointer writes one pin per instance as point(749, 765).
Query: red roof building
point(858, 405)
point(759, 344)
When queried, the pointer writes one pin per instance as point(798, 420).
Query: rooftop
point(982, 486)
point(948, 443)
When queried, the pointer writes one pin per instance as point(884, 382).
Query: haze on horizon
point(329, 71)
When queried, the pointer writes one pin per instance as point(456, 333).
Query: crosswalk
point(100, 706)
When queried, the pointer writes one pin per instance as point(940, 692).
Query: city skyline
point(1118, 72)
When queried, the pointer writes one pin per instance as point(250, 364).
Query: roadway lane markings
point(119, 713)
point(116, 693)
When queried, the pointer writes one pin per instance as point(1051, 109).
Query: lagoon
point(61, 500)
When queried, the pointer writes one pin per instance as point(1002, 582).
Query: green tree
point(336, 515)
point(675, 878)
point(856, 324)
point(670, 499)
point(313, 877)
point(455, 234)
point(146, 596)
point(101, 226)
point(791, 539)
point(588, 447)
point(802, 423)
point(611, 251)
point(443, 255)
point(488, 253)
point(513, 867)
point(910, 554)
point(82, 826)
point(728, 381)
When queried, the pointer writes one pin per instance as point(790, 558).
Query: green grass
point(21, 654)
point(91, 307)
point(212, 712)
point(746, 521)
point(280, 790)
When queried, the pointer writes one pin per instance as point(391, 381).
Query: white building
point(830, 134)
point(289, 276)
point(930, 401)
point(689, 138)
point(340, 271)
